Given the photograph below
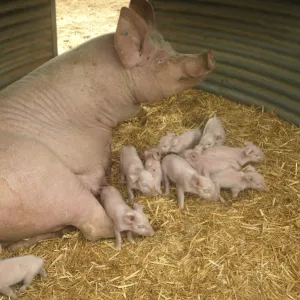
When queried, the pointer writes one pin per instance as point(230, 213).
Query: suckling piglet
point(248, 154)
point(213, 133)
point(206, 165)
point(172, 143)
point(124, 217)
point(176, 169)
point(133, 170)
point(152, 164)
point(239, 181)
point(17, 269)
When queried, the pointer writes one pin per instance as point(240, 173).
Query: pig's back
point(177, 167)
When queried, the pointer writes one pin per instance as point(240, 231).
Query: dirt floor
point(250, 250)
point(80, 20)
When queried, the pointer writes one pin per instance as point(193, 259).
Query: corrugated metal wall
point(27, 37)
point(256, 45)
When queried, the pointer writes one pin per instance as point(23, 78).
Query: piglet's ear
point(194, 155)
point(129, 217)
point(131, 39)
point(134, 177)
point(138, 207)
point(144, 9)
point(248, 151)
point(195, 181)
point(156, 155)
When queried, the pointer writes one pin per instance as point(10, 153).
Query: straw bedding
point(247, 249)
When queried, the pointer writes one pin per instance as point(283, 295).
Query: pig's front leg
point(6, 290)
point(130, 193)
point(235, 192)
point(218, 191)
point(167, 184)
point(180, 195)
point(118, 239)
point(122, 177)
point(27, 281)
point(129, 237)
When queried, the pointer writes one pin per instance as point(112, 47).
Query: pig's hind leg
point(27, 281)
point(6, 290)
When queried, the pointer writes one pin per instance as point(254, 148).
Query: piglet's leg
point(8, 292)
point(235, 192)
point(167, 184)
point(118, 239)
point(27, 281)
point(129, 237)
point(122, 176)
point(180, 196)
point(130, 194)
point(43, 273)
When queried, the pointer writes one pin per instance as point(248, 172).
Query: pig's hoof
point(118, 248)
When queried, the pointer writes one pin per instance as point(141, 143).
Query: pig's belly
point(38, 193)
point(83, 150)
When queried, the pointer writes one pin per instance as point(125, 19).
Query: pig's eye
point(257, 155)
point(206, 191)
point(161, 60)
point(144, 185)
point(154, 170)
point(142, 226)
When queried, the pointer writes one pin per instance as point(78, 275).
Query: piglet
point(124, 217)
point(176, 169)
point(213, 133)
point(152, 164)
point(17, 269)
point(172, 143)
point(206, 165)
point(248, 154)
point(133, 171)
point(239, 181)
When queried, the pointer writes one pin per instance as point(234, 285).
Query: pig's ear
point(247, 143)
point(248, 178)
point(175, 141)
point(144, 9)
point(250, 168)
point(195, 181)
point(156, 155)
point(248, 151)
point(131, 39)
point(129, 217)
point(194, 155)
point(134, 177)
point(149, 163)
point(138, 207)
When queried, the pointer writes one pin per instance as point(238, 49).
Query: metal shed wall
point(27, 37)
point(256, 45)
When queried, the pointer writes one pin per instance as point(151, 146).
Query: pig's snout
point(151, 232)
point(266, 188)
point(211, 62)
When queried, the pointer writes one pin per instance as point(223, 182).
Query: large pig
point(124, 217)
point(213, 133)
point(56, 123)
point(239, 181)
point(17, 269)
point(135, 174)
point(172, 143)
point(249, 153)
point(206, 165)
point(152, 165)
point(176, 169)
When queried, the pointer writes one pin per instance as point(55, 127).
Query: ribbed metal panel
point(256, 46)
point(27, 37)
